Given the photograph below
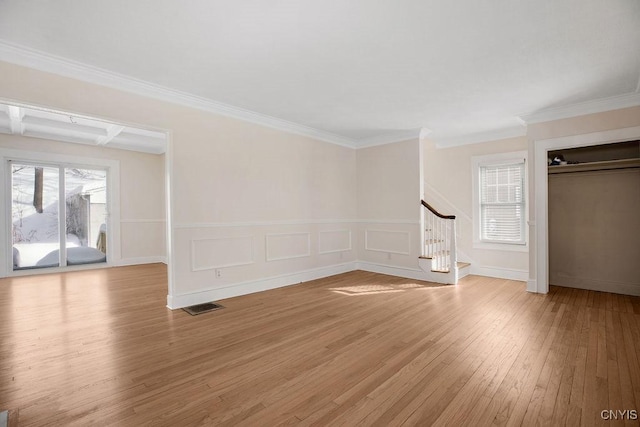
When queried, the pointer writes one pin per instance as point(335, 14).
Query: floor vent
point(202, 308)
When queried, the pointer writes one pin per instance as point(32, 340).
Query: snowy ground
point(31, 253)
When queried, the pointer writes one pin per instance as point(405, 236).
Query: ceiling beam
point(41, 122)
point(112, 132)
point(16, 114)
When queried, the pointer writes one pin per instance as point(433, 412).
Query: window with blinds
point(502, 203)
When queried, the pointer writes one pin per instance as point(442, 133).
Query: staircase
point(439, 259)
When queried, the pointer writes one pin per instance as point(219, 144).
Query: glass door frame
point(112, 220)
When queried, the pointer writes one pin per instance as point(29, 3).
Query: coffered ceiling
point(353, 72)
point(59, 126)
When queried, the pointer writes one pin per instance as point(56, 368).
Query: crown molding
point(580, 109)
point(424, 132)
point(475, 138)
point(389, 139)
point(46, 62)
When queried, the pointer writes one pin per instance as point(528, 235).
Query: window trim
point(497, 160)
point(113, 202)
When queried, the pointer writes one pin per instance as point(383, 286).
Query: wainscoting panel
point(283, 246)
point(330, 241)
point(211, 253)
point(390, 241)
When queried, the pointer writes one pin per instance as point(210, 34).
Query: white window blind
point(502, 203)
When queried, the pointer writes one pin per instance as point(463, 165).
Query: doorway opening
point(593, 204)
point(539, 260)
point(61, 175)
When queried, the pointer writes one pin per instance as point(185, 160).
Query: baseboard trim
point(249, 287)
point(140, 260)
point(532, 286)
point(252, 286)
point(500, 273)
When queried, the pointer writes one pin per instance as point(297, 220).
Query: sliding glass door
point(58, 215)
point(35, 215)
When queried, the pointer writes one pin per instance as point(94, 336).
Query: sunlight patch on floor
point(365, 290)
point(382, 289)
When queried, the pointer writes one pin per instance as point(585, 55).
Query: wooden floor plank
point(548, 385)
point(100, 347)
point(500, 407)
point(562, 405)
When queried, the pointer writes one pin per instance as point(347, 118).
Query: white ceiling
point(363, 71)
point(59, 126)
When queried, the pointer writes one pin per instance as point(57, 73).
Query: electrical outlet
point(218, 272)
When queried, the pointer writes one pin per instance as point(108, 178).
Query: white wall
point(448, 188)
point(282, 204)
point(229, 179)
point(142, 203)
point(389, 207)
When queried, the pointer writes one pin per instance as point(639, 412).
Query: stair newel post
point(433, 244)
point(454, 251)
point(440, 244)
point(436, 256)
point(436, 243)
point(432, 239)
point(447, 242)
point(422, 231)
point(443, 239)
point(441, 252)
point(425, 232)
point(430, 234)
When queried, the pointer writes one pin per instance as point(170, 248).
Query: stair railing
point(440, 238)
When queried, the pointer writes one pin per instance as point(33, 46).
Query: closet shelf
point(596, 166)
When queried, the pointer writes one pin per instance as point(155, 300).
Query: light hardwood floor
point(99, 347)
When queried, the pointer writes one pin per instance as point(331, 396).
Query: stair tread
point(459, 264)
